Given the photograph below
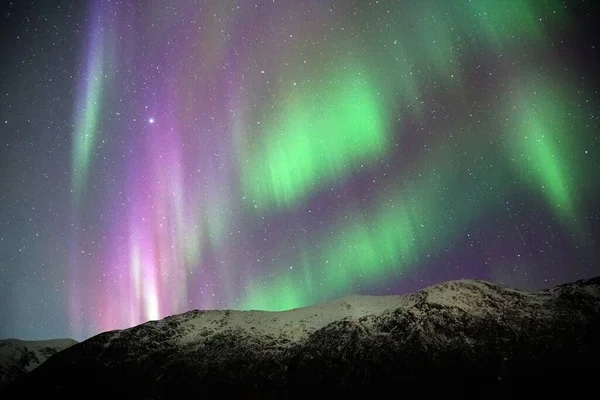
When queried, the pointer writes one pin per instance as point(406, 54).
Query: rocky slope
point(18, 357)
point(461, 333)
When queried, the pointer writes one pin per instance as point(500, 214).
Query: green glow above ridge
point(410, 224)
point(324, 131)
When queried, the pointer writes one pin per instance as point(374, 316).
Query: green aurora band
point(411, 223)
point(415, 222)
point(326, 130)
point(341, 120)
point(326, 134)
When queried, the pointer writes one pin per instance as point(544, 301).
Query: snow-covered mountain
point(18, 357)
point(465, 332)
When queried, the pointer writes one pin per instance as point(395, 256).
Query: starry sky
point(159, 156)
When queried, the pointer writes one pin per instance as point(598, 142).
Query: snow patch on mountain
point(474, 297)
point(293, 325)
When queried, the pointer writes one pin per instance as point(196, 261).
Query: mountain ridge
point(465, 329)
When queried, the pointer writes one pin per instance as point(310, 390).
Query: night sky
point(167, 155)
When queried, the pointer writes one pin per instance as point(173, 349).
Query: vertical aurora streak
point(273, 155)
point(89, 107)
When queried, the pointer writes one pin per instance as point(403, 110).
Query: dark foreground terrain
point(461, 337)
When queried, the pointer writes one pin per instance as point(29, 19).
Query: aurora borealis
point(161, 156)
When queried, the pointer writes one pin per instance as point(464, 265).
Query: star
point(151, 120)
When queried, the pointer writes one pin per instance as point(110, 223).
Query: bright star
point(151, 120)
